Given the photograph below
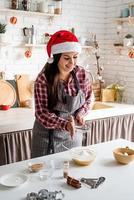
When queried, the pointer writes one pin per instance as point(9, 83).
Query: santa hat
point(61, 42)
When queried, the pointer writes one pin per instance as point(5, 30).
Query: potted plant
point(128, 40)
point(2, 31)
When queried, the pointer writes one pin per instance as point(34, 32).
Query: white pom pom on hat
point(62, 41)
point(50, 60)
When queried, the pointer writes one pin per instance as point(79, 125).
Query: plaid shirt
point(50, 120)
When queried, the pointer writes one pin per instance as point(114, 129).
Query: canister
point(58, 7)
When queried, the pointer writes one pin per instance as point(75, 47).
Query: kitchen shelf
point(123, 20)
point(34, 45)
point(3, 44)
point(43, 45)
point(120, 49)
point(87, 47)
point(28, 13)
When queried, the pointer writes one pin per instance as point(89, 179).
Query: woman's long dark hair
point(51, 73)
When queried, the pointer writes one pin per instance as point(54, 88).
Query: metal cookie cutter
point(93, 182)
point(45, 195)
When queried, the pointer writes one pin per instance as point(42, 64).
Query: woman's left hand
point(80, 120)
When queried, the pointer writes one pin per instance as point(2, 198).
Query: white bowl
point(83, 156)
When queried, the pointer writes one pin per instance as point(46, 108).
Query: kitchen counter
point(118, 184)
point(16, 119)
point(110, 121)
point(115, 110)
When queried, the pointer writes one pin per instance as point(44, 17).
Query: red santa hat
point(61, 42)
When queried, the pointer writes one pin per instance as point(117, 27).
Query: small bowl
point(35, 167)
point(83, 156)
point(124, 155)
point(5, 107)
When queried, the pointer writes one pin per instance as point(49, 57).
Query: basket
point(97, 91)
point(108, 95)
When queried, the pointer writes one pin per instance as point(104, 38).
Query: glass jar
point(58, 7)
point(51, 9)
point(65, 169)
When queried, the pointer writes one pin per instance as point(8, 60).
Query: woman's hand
point(71, 126)
point(80, 120)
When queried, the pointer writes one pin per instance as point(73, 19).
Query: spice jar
point(58, 7)
point(65, 169)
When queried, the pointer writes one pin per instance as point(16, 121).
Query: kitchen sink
point(99, 105)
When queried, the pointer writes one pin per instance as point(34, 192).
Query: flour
point(84, 155)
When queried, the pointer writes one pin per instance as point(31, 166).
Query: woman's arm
point(48, 119)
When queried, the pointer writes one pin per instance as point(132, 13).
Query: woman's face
point(67, 62)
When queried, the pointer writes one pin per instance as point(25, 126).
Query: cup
point(47, 171)
point(5, 107)
point(45, 174)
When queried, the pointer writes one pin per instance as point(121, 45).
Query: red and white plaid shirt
point(50, 120)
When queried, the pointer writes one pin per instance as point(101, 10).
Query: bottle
point(58, 7)
point(65, 169)
point(25, 5)
point(14, 4)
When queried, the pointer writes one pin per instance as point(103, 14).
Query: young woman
point(62, 97)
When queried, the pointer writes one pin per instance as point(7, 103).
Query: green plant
point(128, 36)
point(2, 28)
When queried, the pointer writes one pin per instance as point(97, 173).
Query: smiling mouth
point(69, 67)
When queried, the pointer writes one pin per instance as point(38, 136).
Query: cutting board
point(23, 86)
point(7, 93)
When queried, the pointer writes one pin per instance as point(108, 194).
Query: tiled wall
point(88, 16)
point(118, 66)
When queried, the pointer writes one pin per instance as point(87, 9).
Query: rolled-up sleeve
point(48, 119)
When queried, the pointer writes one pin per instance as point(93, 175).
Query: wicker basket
point(97, 91)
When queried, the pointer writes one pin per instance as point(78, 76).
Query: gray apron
point(46, 139)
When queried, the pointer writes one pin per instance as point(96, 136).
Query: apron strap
point(76, 81)
point(50, 149)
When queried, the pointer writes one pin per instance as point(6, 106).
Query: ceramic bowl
point(124, 155)
point(83, 156)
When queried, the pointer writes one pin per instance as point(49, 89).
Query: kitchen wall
point(88, 16)
point(118, 66)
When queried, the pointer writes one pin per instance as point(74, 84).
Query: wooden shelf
point(34, 45)
point(44, 45)
point(123, 20)
point(87, 47)
point(3, 44)
point(28, 13)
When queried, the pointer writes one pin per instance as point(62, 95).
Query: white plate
point(13, 180)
